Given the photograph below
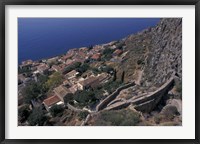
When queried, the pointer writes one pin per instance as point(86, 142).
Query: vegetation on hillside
point(124, 117)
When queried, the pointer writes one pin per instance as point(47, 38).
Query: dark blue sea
point(47, 37)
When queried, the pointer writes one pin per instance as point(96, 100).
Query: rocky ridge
point(154, 56)
point(155, 52)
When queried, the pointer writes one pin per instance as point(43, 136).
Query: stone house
point(42, 68)
point(74, 88)
point(71, 74)
point(26, 64)
point(61, 92)
point(96, 56)
point(67, 83)
point(51, 101)
point(56, 68)
point(89, 82)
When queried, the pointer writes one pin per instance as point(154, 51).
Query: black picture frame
point(3, 4)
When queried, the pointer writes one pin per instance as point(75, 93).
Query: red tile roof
point(96, 56)
point(67, 56)
point(51, 100)
point(82, 54)
point(69, 63)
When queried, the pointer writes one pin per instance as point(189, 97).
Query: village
point(129, 82)
point(80, 69)
point(134, 81)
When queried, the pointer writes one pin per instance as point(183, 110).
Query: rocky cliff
point(154, 54)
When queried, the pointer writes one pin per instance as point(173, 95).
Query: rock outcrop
point(156, 51)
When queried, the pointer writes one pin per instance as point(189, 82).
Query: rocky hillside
point(151, 58)
point(154, 54)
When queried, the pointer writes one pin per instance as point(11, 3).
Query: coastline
point(36, 41)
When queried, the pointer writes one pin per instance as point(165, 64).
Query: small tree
point(42, 79)
point(108, 51)
point(107, 69)
point(56, 109)
point(122, 77)
point(31, 91)
point(68, 98)
point(23, 113)
point(85, 97)
point(118, 118)
point(83, 68)
point(82, 115)
point(54, 81)
point(37, 117)
point(115, 75)
point(98, 93)
point(71, 67)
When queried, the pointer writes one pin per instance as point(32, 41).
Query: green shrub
point(68, 98)
point(24, 70)
point(107, 54)
point(112, 86)
point(71, 67)
point(83, 68)
point(56, 109)
point(31, 91)
point(37, 117)
point(55, 80)
point(85, 98)
point(82, 115)
point(23, 113)
point(118, 118)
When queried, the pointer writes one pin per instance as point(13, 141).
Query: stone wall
point(73, 108)
point(86, 120)
point(119, 105)
point(111, 97)
point(146, 102)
